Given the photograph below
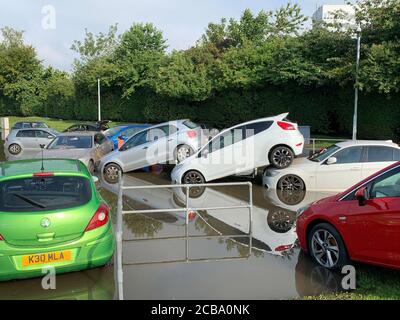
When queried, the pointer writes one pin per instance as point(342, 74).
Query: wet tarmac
point(213, 258)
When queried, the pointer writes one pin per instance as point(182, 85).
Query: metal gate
point(187, 209)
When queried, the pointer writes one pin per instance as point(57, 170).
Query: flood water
point(212, 257)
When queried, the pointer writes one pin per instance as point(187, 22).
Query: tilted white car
point(169, 141)
point(242, 148)
point(336, 168)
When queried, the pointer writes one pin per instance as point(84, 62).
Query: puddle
point(217, 261)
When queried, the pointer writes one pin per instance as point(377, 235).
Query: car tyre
point(326, 246)
point(281, 157)
point(291, 182)
point(182, 152)
point(91, 166)
point(194, 177)
point(111, 171)
point(14, 149)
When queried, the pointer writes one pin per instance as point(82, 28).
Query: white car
point(242, 148)
point(169, 141)
point(336, 168)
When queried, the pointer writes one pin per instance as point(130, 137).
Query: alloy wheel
point(112, 173)
point(14, 149)
point(291, 182)
point(193, 177)
point(325, 248)
point(182, 153)
point(282, 157)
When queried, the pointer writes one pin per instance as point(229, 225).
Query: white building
point(328, 12)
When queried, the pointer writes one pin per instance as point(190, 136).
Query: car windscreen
point(190, 124)
point(44, 193)
point(324, 153)
point(71, 142)
point(39, 125)
point(112, 131)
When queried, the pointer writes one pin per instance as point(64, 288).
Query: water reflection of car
point(146, 199)
point(27, 141)
point(336, 168)
point(93, 284)
point(123, 132)
point(313, 279)
point(243, 148)
point(169, 141)
point(274, 237)
point(292, 199)
point(88, 147)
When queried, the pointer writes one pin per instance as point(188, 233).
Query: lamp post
point(358, 31)
point(98, 99)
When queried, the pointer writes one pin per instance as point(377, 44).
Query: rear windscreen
point(44, 193)
point(190, 124)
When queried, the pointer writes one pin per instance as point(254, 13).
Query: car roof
point(11, 169)
point(349, 143)
point(80, 133)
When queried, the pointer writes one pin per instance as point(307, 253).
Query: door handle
point(145, 147)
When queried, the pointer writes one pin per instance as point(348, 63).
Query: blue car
point(123, 132)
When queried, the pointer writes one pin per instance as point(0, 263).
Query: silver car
point(88, 147)
point(162, 143)
point(23, 143)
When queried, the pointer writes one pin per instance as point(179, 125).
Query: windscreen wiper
point(29, 200)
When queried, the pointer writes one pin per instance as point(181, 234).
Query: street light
point(358, 31)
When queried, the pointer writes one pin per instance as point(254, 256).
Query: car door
point(159, 144)
point(43, 138)
point(133, 154)
point(344, 173)
point(27, 138)
point(377, 158)
point(372, 230)
point(225, 155)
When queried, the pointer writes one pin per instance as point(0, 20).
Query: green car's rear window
point(44, 193)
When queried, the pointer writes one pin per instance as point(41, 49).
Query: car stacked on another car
point(96, 127)
point(88, 147)
point(162, 143)
point(53, 217)
point(336, 168)
point(243, 148)
point(20, 141)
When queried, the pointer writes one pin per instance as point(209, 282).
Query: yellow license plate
point(45, 258)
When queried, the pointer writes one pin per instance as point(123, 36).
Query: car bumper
point(270, 182)
point(176, 176)
point(95, 248)
point(301, 232)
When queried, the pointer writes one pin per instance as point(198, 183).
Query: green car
point(51, 214)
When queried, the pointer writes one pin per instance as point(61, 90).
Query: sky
point(52, 25)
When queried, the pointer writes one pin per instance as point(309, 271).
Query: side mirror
point(50, 137)
point(95, 179)
point(362, 195)
point(205, 153)
point(331, 160)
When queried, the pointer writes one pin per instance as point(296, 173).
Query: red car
point(361, 224)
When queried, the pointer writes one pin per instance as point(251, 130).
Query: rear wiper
point(29, 200)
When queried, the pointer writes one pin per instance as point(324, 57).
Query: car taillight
point(286, 125)
point(43, 174)
point(191, 133)
point(1, 237)
point(283, 247)
point(192, 215)
point(100, 218)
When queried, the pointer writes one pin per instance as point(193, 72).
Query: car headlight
point(271, 173)
point(302, 210)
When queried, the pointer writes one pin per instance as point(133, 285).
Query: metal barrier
point(187, 209)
